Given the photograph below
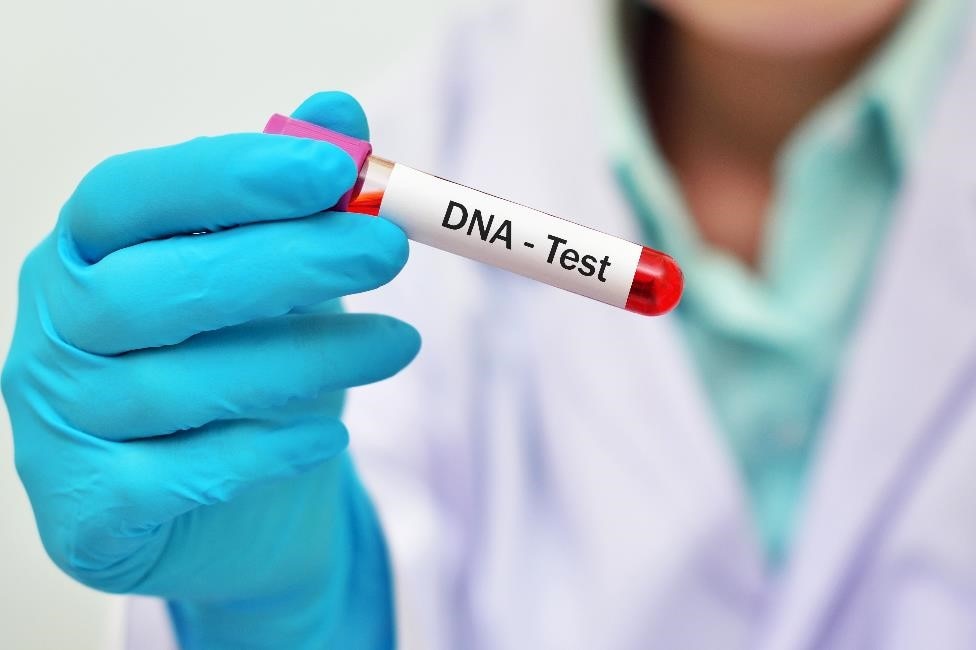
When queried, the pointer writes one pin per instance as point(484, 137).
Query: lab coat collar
point(897, 398)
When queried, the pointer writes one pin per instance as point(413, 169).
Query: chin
point(783, 27)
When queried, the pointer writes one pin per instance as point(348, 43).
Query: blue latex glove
point(175, 398)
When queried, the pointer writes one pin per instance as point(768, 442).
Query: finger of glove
point(206, 184)
point(216, 462)
point(312, 507)
point(140, 487)
point(335, 110)
point(163, 292)
point(233, 373)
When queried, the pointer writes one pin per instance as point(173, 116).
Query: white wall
point(82, 80)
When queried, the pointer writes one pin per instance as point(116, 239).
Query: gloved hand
point(176, 397)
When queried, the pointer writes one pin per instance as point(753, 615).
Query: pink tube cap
point(359, 150)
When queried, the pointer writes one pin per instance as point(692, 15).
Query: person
point(785, 462)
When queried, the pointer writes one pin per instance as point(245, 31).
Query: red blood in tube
point(657, 286)
point(366, 203)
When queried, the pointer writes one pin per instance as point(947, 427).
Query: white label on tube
point(483, 227)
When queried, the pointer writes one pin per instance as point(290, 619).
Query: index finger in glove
point(206, 184)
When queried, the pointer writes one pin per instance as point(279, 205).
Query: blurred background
point(82, 80)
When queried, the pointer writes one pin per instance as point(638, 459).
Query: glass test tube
point(484, 227)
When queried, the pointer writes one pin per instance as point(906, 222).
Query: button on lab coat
point(548, 472)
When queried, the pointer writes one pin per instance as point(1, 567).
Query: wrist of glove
point(346, 602)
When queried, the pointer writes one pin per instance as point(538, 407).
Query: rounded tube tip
point(658, 284)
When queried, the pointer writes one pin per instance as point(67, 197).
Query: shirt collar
point(899, 83)
point(888, 100)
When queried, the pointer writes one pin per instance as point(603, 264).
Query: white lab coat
point(548, 471)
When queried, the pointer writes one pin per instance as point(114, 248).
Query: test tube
point(508, 235)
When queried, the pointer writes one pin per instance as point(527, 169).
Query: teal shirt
point(768, 342)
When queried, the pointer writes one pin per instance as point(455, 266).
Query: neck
point(744, 101)
point(721, 116)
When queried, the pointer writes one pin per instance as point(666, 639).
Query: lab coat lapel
point(634, 373)
point(911, 358)
point(695, 451)
point(667, 424)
